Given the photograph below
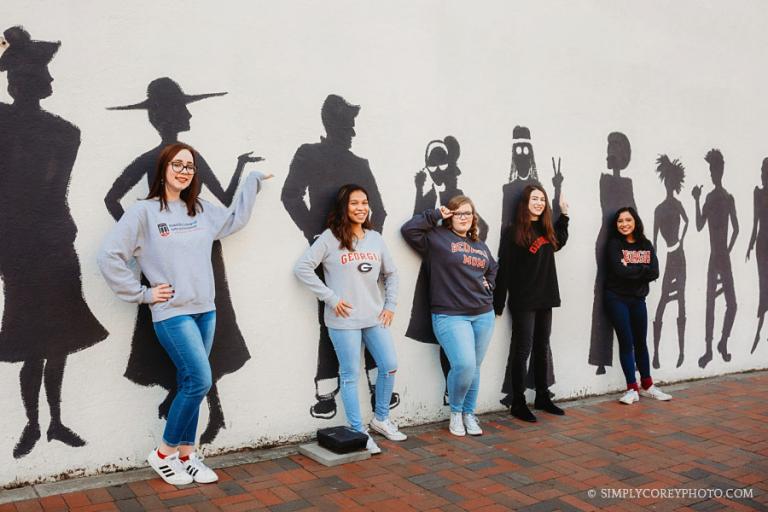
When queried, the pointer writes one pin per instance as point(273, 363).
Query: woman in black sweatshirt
point(527, 280)
point(632, 264)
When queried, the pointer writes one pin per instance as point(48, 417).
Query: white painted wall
point(677, 78)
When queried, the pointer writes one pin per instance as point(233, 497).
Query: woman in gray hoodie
point(170, 235)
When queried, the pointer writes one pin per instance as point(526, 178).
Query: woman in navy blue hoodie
point(632, 264)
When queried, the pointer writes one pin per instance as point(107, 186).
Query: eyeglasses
point(180, 168)
point(462, 215)
point(522, 150)
point(433, 168)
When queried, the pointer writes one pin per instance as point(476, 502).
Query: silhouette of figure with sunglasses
point(318, 170)
point(522, 173)
point(46, 317)
point(719, 209)
point(436, 184)
point(666, 219)
point(148, 364)
point(759, 237)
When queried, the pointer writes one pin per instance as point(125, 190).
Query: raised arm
point(700, 217)
point(211, 182)
point(416, 231)
point(236, 217)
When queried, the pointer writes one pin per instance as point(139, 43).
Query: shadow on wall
point(666, 220)
point(46, 317)
point(316, 173)
point(718, 211)
point(149, 365)
point(759, 237)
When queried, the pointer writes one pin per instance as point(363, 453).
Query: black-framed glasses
point(463, 215)
point(179, 167)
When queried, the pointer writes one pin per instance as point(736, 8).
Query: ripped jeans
point(347, 344)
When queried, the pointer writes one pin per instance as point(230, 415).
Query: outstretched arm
point(211, 182)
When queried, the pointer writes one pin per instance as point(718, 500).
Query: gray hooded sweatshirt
point(172, 247)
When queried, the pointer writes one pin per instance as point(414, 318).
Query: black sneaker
point(325, 407)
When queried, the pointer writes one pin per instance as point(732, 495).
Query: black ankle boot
point(521, 411)
point(544, 402)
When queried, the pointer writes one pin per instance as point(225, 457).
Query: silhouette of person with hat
point(318, 170)
point(523, 172)
point(666, 219)
point(148, 364)
point(719, 209)
point(615, 192)
point(46, 317)
point(436, 184)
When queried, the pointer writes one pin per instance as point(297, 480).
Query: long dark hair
point(453, 204)
point(638, 233)
point(338, 219)
point(189, 194)
point(524, 233)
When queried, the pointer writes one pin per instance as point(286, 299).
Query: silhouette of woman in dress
point(45, 317)
point(760, 237)
point(148, 364)
point(436, 184)
point(615, 192)
point(666, 219)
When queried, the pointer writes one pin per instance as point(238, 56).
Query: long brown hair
point(453, 205)
point(338, 219)
point(524, 234)
point(189, 194)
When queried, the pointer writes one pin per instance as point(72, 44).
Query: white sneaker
point(656, 393)
point(170, 468)
point(472, 425)
point(201, 473)
point(456, 427)
point(388, 429)
point(371, 445)
point(630, 397)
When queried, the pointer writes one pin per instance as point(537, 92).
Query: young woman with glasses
point(462, 274)
point(170, 235)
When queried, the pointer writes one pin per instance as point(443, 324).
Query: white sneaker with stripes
point(170, 468)
point(199, 471)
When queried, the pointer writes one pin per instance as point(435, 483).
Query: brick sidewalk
point(714, 434)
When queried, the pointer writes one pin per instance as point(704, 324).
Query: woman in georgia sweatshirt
point(170, 235)
point(353, 257)
point(462, 274)
point(632, 264)
point(528, 277)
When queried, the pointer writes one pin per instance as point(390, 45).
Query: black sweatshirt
point(641, 267)
point(527, 275)
point(462, 273)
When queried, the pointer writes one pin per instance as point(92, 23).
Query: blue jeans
point(629, 317)
point(347, 344)
point(187, 339)
point(465, 340)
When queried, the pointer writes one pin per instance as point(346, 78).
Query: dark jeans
point(629, 317)
point(530, 333)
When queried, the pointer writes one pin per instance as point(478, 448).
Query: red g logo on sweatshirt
point(164, 229)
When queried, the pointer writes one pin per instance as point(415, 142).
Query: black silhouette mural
point(666, 219)
point(46, 317)
point(615, 192)
point(436, 184)
point(317, 171)
point(759, 237)
point(148, 365)
point(522, 173)
point(719, 209)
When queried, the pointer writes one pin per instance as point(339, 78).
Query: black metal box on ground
point(341, 439)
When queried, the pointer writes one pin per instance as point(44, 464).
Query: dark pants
point(530, 333)
point(629, 317)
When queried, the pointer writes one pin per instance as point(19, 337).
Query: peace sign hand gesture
point(557, 179)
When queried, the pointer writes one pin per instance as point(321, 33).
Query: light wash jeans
point(187, 339)
point(465, 340)
point(347, 344)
